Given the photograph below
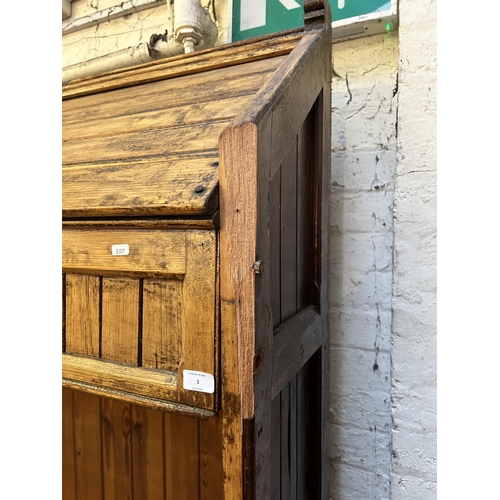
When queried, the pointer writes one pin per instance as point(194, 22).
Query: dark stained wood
point(302, 426)
point(289, 233)
point(292, 440)
point(275, 448)
point(285, 442)
point(294, 343)
point(275, 246)
point(306, 149)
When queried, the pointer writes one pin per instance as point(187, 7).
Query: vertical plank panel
point(301, 435)
point(162, 324)
point(88, 471)
point(147, 454)
point(117, 450)
point(305, 213)
point(181, 457)
point(292, 439)
point(276, 449)
point(211, 480)
point(275, 246)
point(82, 314)
point(120, 319)
point(68, 449)
point(285, 442)
point(289, 233)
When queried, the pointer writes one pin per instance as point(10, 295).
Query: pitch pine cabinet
point(195, 274)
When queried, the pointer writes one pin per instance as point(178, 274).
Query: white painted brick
point(368, 212)
point(363, 106)
point(348, 482)
point(416, 413)
point(366, 291)
point(413, 488)
point(356, 370)
point(361, 328)
point(363, 252)
point(364, 170)
point(414, 352)
point(361, 411)
point(359, 447)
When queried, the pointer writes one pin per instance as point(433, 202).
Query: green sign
point(259, 17)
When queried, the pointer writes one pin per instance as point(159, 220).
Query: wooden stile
point(195, 274)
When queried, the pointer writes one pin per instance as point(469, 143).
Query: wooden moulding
point(185, 64)
point(152, 253)
point(112, 375)
point(146, 401)
point(150, 223)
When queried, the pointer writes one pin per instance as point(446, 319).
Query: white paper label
point(198, 381)
point(120, 249)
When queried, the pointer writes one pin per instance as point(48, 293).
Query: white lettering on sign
point(120, 249)
point(253, 14)
point(289, 4)
point(198, 381)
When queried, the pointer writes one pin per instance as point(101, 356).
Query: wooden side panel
point(296, 437)
point(275, 246)
point(285, 442)
point(276, 448)
point(302, 426)
point(307, 292)
point(289, 241)
point(293, 227)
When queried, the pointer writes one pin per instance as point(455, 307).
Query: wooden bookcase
point(195, 273)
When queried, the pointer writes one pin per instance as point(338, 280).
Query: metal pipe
point(200, 34)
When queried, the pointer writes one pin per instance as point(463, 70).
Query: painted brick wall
point(414, 349)
point(126, 31)
point(363, 167)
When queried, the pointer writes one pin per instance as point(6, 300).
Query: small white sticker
point(119, 249)
point(198, 381)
